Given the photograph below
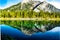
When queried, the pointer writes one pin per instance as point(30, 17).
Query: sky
point(8, 3)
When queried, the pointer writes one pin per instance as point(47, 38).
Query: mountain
point(46, 7)
point(34, 5)
point(14, 7)
point(37, 6)
point(9, 32)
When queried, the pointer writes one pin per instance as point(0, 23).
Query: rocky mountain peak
point(35, 5)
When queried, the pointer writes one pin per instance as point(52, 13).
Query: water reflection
point(30, 27)
point(15, 34)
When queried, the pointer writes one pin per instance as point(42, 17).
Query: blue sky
point(7, 3)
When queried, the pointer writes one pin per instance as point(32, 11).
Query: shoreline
point(34, 19)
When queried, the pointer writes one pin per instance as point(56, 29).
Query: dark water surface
point(53, 34)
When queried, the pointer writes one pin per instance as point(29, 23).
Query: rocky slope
point(34, 5)
point(37, 6)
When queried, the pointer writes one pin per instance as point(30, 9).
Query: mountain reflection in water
point(53, 34)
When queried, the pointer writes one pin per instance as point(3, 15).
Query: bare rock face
point(38, 5)
point(35, 5)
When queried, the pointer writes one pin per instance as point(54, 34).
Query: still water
point(53, 34)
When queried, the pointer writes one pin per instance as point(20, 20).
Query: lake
point(8, 32)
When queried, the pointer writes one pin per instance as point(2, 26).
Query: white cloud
point(56, 4)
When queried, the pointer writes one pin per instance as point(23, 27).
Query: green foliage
point(28, 14)
point(29, 24)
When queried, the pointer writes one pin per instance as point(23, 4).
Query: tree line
point(28, 14)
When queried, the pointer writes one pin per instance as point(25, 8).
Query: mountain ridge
point(34, 5)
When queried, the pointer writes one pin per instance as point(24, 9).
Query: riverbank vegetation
point(29, 24)
point(27, 14)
